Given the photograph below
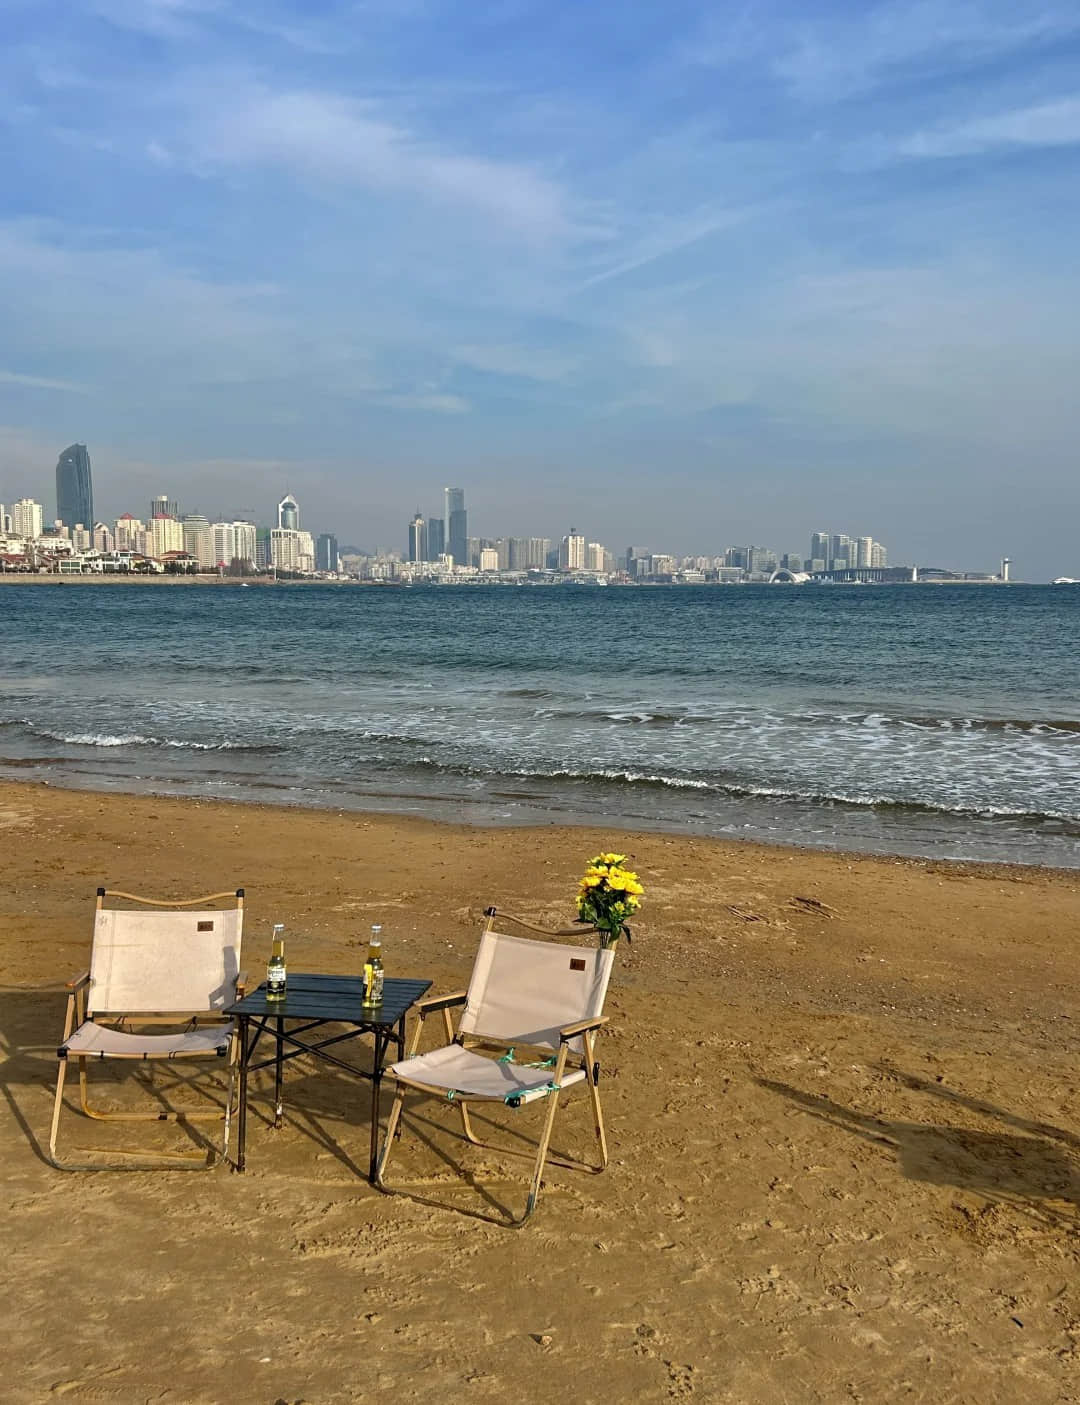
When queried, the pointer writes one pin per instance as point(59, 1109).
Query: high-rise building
point(819, 547)
point(166, 534)
point(326, 553)
point(199, 540)
point(489, 558)
point(436, 538)
point(878, 555)
point(457, 526)
point(234, 544)
point(285, 549)
point(130, 533)
point(74, 487)
point(594, 556)
point(163, 507)
point(418, 546)
point(572, 552)
point(288, 514)
point(26, 518)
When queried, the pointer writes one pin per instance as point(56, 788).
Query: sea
point(916, 720)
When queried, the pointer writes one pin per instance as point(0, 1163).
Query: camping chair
point(538, 1002)
point(151, 968)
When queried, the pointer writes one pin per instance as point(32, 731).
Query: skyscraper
point(288, 514)
point(163, 507)
point(326, 552)
point(74, 487)
point(457, 528)
point(436, 538)
point(418, 538)
point(572, 552)
point(26, 518)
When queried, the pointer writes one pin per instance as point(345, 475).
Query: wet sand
point(845, 1138)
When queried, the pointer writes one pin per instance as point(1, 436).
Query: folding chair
point(539, 1003)
point(148, 969)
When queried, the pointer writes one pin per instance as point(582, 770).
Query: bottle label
point(275, 981)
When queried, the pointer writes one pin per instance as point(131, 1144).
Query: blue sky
point(683, 275)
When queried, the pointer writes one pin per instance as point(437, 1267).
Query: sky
point(681, 275)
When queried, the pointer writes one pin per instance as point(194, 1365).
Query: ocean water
point(934, 720)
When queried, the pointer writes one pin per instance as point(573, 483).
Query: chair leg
point(541, 1157)
point(594, 1095)
point(133, 1158)
point(58, 1104)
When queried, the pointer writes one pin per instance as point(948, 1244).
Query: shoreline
point(840, 1094)
point(584, 825)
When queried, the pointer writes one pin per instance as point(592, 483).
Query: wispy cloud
point(325, 136)
point(41, 382)
point(1046, 124)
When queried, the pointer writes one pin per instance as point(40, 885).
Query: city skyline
point(422, 533)
point(811, 264)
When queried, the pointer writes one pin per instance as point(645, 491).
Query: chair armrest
point(435, 1003)
point(571, 1031)
point(77, 982)
point(241, 984)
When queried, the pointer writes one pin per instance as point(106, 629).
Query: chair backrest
point(155, 962)
point(524, 991)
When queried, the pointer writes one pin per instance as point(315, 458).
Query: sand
point(845, 1140)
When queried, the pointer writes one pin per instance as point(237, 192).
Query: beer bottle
point(275, 969)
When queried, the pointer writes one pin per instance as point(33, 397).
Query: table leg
point(241, 1118)
point(278, 1068)
point(376, 1083)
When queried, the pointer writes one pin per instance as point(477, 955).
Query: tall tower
point(288, 514)
point(418, 538)
point(75, 488)
point(457, 527)
point(1005, 564)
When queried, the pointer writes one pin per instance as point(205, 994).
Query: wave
point(118, 739)
point(739, 790)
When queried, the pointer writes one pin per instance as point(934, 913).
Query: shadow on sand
point(1033, 1166)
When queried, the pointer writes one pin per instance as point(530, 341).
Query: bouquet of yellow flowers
point(607, 896)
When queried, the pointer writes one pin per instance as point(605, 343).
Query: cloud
point(524, 362)
point(432, 402)
point(41, 382)
point(822, 53)
point(350, 142)
point(1047, 124)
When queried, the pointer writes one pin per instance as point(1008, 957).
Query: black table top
point(309, 996)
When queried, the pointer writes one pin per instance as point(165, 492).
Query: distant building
point(418, 545)
point(130, 533)
point(594, 557)
point(572, 552)
point(326, 553)
point(436, 538)
point(288, 514)
point(166, 535)
point(489, 558)
point(26, 519)
point(234, 543)
point(199, 540)
point(74, 487)
point(457, 526)
point(163, 507)
point(527, 553)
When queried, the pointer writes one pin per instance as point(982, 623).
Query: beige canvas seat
point(526, 1034)
point(161, 976)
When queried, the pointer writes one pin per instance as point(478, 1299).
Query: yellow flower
point(613, 858)
point(617, 881)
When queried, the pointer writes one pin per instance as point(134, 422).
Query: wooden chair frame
point(585, 1029)
point(75, 1017)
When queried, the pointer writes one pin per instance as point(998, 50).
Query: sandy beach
point(845, 1138)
